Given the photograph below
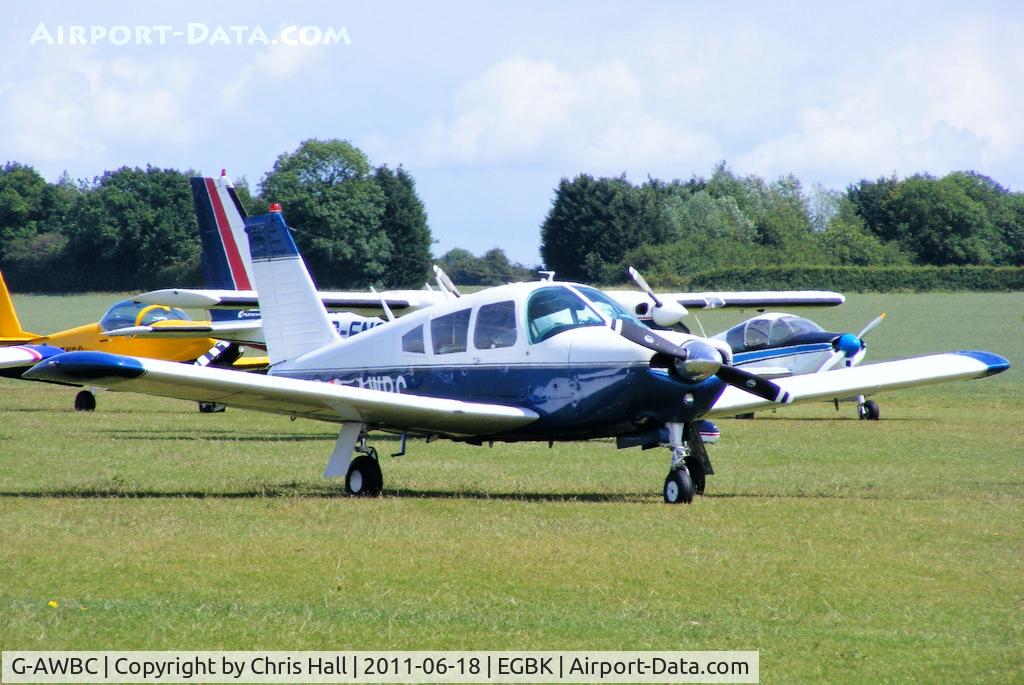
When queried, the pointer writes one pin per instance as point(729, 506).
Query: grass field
point(844, 551)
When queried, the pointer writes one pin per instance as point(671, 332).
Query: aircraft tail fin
point(10, 327)
point(294, 318)
point(227, 264)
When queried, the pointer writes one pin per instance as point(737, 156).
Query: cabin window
point(755, 335)
point(413, 341)
point(557, 309)
point(495, 326)
point(448, 333)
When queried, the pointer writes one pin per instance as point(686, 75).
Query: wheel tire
point(678, 487)
point(364, 478)
point(869, 411)
point(85, 401)
point(211, 408)
point(697, 476)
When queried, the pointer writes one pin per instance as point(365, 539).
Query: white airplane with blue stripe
point(542, 361)
point(775, 344)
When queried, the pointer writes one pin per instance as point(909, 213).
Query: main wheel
point(85, 401)
point(868, 411)
point(364, 478)
point(695, 466)
point(678, 487)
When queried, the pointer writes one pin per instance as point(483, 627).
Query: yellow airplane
point(93, 336)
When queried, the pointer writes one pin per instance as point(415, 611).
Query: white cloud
point(533, 111)
point(951, 101)
point(77, 108)
point(275, 62)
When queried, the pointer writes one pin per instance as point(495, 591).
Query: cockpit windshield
point(557, 309)
point(757, 334)
point(129, 313)
point(606, 306)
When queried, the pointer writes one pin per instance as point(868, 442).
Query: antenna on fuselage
point(548, 275)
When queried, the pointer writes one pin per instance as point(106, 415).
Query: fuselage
point(547, 347)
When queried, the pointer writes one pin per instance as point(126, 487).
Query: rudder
point(294, 318)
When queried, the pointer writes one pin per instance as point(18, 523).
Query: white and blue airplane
point(540, 361)
point(776, 344)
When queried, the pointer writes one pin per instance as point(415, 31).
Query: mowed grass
point(844, 551)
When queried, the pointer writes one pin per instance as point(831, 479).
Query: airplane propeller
point(664, 313)
point(848, 345)
point(695, 361)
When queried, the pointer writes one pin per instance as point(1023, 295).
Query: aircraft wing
point(309, 399)
point(244, 331)
point(868, 379)
point(18, 357)
point(397, 300)
point(748, 299)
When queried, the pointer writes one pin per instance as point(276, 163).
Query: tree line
point(359, 225)
point(135, 229)
point(597, 226)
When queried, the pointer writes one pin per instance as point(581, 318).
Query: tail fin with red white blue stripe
point(224, 245)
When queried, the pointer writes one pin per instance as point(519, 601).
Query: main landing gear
point(364, 478)
point(85, 400)
point(867, 410)
point(689, 465)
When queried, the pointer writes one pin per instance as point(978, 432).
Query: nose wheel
point(690, 465)
point(678, 487)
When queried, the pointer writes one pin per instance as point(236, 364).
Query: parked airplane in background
point(776, 344)
point(541, 361)
point(96, 336)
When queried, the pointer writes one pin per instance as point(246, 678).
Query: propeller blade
point(642, 284)
point(871, 326)
point(645, 337)
point(695, 358)
point(754, 384)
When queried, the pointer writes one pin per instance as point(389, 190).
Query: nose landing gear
point(689, 464)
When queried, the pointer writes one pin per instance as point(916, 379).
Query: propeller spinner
point(695, 361)
point(848, 345)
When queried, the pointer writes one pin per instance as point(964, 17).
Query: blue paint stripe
point(772, 353)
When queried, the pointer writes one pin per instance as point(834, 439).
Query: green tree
point(847, 241)
point(404, 221)
point(939, 223)
point(335, 206)
point(493, 268)
point(134, 228)
point(594, 222)
point(871, 199)
point(22, 204)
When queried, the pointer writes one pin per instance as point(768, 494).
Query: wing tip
point(72, 367)
point(994, 362)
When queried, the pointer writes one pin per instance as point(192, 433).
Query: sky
point(489, 104)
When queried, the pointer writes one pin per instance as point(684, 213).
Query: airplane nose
point(699, 361)
point(848, 344)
